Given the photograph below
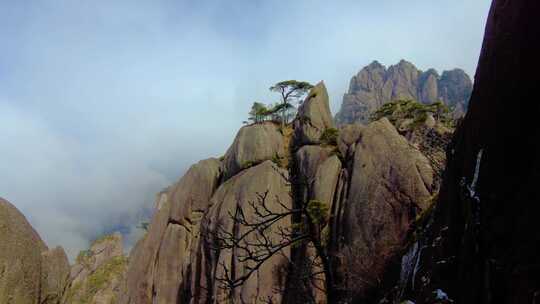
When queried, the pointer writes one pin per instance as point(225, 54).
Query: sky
point(104, 103)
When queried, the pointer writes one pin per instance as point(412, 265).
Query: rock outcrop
point(313, 117)
point(376, 85)
point(98, 273)
point(29, 271)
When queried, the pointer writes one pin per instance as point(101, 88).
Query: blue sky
point(103, 103)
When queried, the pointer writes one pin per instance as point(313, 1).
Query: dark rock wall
point(482, 244)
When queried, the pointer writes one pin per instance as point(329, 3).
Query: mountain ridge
point(375, 85)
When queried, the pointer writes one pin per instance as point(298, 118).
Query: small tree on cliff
point(291, 91)
point(258, 112)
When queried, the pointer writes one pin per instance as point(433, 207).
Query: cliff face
point(376, 85)
point(481, 243)
point(29, 272)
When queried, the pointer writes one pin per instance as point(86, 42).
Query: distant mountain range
point(376, 85)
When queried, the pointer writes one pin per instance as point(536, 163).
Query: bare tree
point(254, 245)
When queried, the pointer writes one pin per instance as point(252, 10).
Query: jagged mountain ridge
point(376, 85)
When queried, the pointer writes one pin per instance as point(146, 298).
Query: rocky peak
point(314, 117)
point(455, 86)
point(375, 65)
point(375, 85)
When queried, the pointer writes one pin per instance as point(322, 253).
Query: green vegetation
point(259, 112)
point(277, 160)
point(144, 226)
point(337, 153)
point(330, 136)
point(291, 91)
point(108, 237)
point(417, 112)
point(317, 211)
point(84, 292)
point(248, 164)
point(83, 256)
point(105, 273)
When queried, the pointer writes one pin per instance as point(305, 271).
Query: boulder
point(191, 194)
point(325, 181)
point(349, 134)
point(318, 170)
point(252, 145)
point(308, 158)
point(20, 257)
point(313, 117)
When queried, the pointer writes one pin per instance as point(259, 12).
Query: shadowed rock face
point(376, 85)
point(29, 272)
point(481, 244)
